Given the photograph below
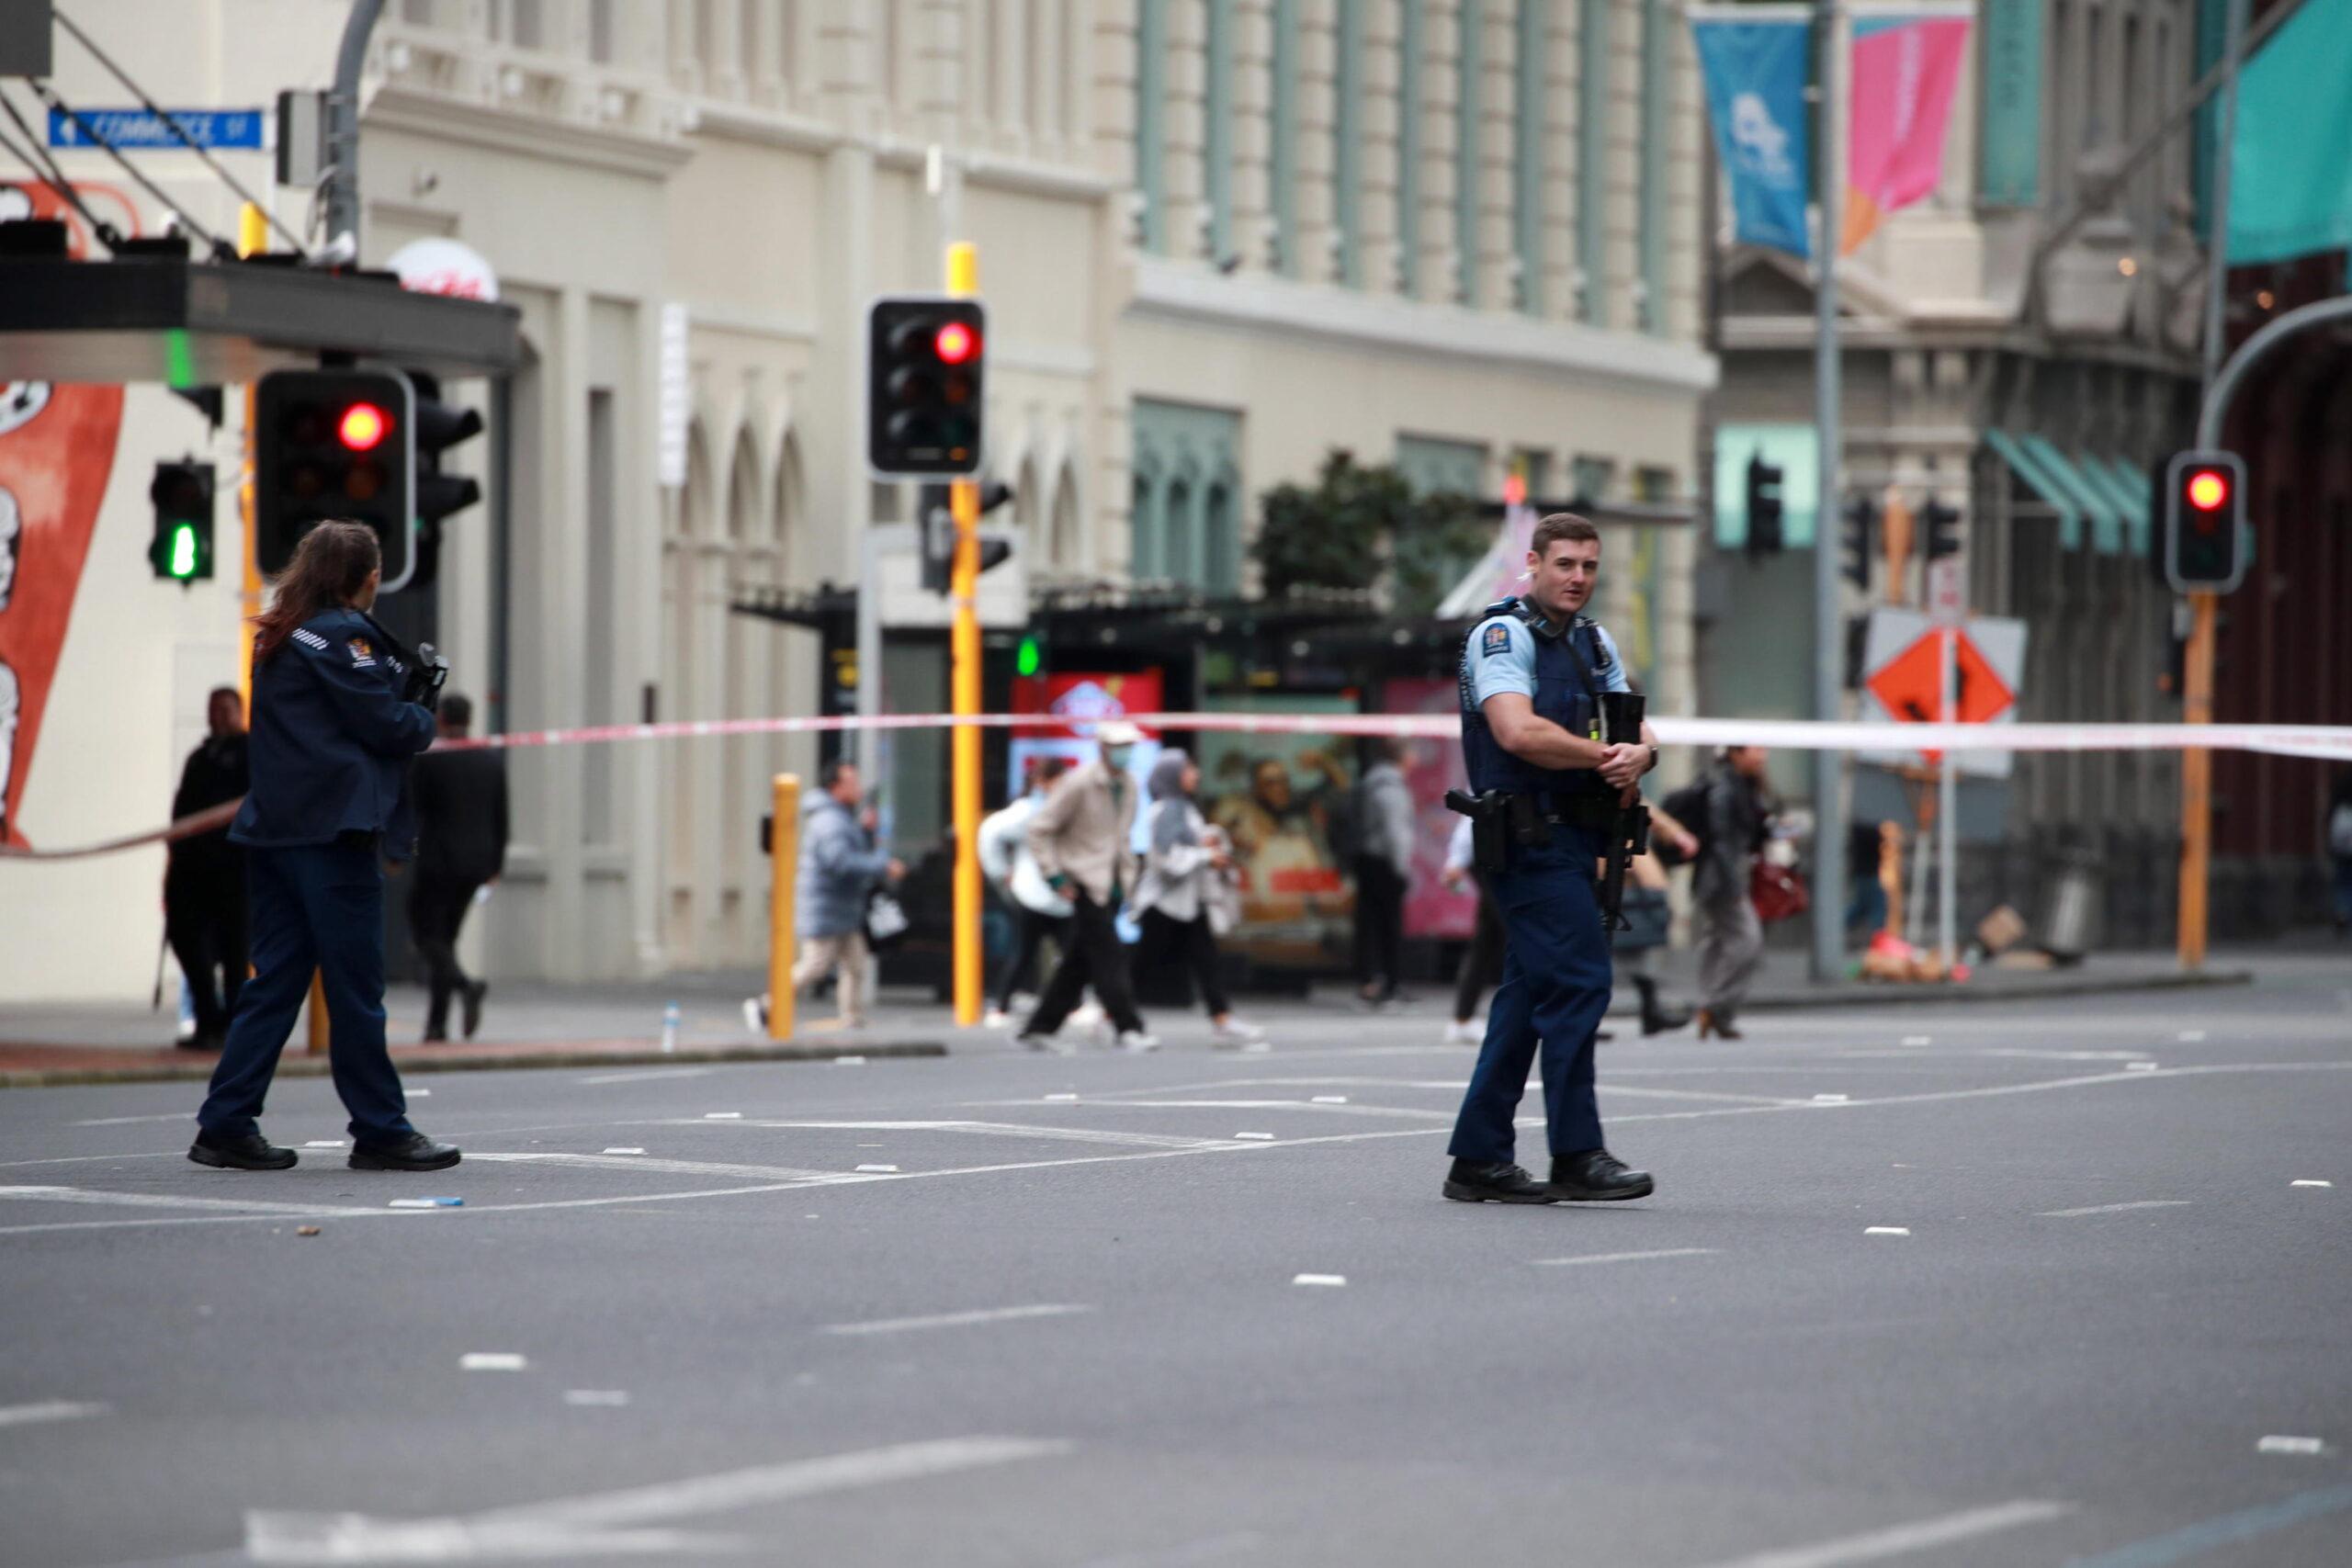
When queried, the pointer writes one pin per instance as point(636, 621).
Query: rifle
point(1629, 829)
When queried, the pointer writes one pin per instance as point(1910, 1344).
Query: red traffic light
point(955, 344)
point(2208, 490)
point(362, 426)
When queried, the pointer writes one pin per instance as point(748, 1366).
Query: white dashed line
point(1255, 1137)
point(49, 1410)
point(624, 1151)
point(490, 1361)
point(1901, 1539)
point(1061, 1097)
point(955, 1319)
point(648, 1075)
point(723, 1116)
point(2191, 1036)
point(1917, 1039)
point(1625, 1257)
point(601, 1398)
point(323, 1144)
point(1830, 1100)
point(849, 1061)
point(879, 1169)
point(2114, 1208)
point(2310, 1183)
point(2290, 1446)
point(2138, 1067)
point(1886, 1230)
point(1320, 1279)
point(1329, 1100)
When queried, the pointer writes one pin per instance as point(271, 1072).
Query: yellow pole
point(963, 281)
point(784, 864)
point(2197, 783)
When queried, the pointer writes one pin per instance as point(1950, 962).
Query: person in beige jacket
point(1081, 839)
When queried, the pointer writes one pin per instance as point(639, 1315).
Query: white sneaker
point(1469, 1032)
point(1088, 1016)
point(1137, 1040)
point(1023, 1002)
point(996, 1017)
point(1236, 1031)
point(755, 1015)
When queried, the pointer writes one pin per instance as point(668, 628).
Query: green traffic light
point(1028, 659)
point(182, 557)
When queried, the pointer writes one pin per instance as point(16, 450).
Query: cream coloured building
point(1218, 238)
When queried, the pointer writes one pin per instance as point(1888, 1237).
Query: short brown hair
point(1561, 526)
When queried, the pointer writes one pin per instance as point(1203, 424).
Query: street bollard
point(784, 862)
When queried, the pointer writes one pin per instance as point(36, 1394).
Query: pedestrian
point(1532, 673)
point(1081, 837)
point(461, 849)
point(2339, 849)
point(336, 721)
point(204, 875)
point(1649, 917)
point(1482, 961)
point(1039, 914)
point(840, 869)
point(1730, 938)
point(1186, 862)
point(1384, 870)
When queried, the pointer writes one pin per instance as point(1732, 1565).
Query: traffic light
point(1028, 657)
point(439, 426)
point(925, 356)
point(935, 516)
point(334, 444)
point(1855, 547)
point(1763, 506)
point(2204, 505)
point(182, 549)
point(1942, 524)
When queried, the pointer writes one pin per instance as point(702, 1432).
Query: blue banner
point(211, 129)
point(1756, 74)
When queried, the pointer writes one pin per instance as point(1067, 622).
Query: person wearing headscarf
point(1188, 877)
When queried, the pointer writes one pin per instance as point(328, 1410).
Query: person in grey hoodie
point(1384, 868)
point(1183, 873)
point(839, 869)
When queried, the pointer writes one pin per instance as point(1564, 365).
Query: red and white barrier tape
point(2325, 742)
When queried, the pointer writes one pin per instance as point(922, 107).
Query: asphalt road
point(1067, 1319)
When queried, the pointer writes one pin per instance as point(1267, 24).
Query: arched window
point(1180, 535)
point(1063, 544)
point(1145, 526)
point(1218, 540)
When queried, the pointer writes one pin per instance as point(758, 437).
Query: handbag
point(1778, 892)
point(1647, 915)
point(886, 920)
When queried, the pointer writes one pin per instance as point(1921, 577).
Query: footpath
point(531, 1024)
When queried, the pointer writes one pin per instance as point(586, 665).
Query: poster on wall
point(57, 449)
point(1434, 767)
point(1283, 800)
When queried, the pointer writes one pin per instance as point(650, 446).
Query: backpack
point(1688, 806)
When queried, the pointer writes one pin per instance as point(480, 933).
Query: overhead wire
point(212, 241)
point(49, 173)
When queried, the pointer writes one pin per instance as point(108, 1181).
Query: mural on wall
point(57, 447)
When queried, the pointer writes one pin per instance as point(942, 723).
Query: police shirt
point(331, 738)
point(1502, 658)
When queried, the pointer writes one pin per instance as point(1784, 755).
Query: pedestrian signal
point(925, 359)
point(181, 550)
point(2204, 517)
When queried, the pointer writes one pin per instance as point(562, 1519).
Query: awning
point(2130, 500)
point(2029, 467)
point(2107, 522)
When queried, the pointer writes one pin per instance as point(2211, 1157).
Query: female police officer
point(331, 739)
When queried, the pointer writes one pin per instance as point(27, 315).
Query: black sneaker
point(415, 1152)
point(252, 1152)
point(1595, 1176)
point(1469, 1182)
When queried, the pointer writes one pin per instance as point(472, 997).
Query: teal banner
point(2010, 131)
point(2290, 178)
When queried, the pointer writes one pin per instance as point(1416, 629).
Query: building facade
point(1217, 239)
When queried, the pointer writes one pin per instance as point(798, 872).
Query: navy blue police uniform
point(331, 743)
point(1556, 973)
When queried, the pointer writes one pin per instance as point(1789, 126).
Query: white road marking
point(955, 1319)
point(2191, 1036)
point(2300, 1182)
point(600, 1398)
point(1391, 1111)
point(1331, 1099)
point(420, 1203)
point(1917, 1039)
point(1831, 1100)
point(878, 1168)
point(1886, 1230)
point(323, 1144)
point(490, 1361)
point(2138, 1067)
point(2290, 1446)
point(49, 1410)
point(1000, 1129)
point(849, 1061)
point(648, 1075)
point(573, 1528)
point(1625, 1257)
point(256, 1206)
point(1255, 1137)
point(1874, 1545)
point(1061, 1097)
point(634, 1159)
point(420, 1094)
point(618, 1150)
point(1320, 1279)
point(723, 1116)
point(2114, 1208)
point(134, 1120)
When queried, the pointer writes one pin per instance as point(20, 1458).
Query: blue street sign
point(215, 129)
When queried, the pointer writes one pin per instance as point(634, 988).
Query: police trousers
point(1554, 988)
point(312, 908)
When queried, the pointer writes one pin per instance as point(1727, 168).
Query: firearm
point(1629, 826)
point(427, 669)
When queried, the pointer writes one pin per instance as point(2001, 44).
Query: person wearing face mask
point(1079, 838)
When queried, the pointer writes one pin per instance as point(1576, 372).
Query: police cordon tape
point(2323, 742)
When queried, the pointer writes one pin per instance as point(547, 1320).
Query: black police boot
point(1657, 1019)
point(252, 1152)
point(1595, 1176)
point(415, 1152)
point(1469, 1182)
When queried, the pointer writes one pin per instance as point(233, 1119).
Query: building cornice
point(395, 108)
point(1188, 294)
point(1784, 334)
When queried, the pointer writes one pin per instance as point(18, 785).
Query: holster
point(1489, 833)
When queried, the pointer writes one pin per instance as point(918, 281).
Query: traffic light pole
point(964, 497)
point(2196, 783)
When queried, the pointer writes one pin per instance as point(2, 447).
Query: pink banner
point(1904, 72)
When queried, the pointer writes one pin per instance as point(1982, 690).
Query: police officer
point(1545, 786)
point(336, 721)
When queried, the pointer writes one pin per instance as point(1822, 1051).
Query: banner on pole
point(1903, 71)
point(1755, 70)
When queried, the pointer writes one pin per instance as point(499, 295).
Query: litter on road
point(306, 1230)
point(490, 1361)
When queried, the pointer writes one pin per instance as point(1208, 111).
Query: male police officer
point(1532, 675)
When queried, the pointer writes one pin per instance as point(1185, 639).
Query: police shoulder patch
point(1494, 639)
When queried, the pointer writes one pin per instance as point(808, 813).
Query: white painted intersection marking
point(1625, 1257)
point(648, 1075)
point(878, 1170)
point(1886, 1230)
point(490, 1361)
point(173, 1200)
point(1873, 1545)
point(2300, 1182)
point(955, 1319)
point(2114, 1208)
point(1320, 1279)
point(996, 1130)
point(188, 1116)
point(2279, 1445)
point(599, 1523)
point(49, 1410)
point(636, 1160)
